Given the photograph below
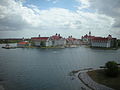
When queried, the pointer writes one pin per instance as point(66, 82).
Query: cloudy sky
point(28, 18)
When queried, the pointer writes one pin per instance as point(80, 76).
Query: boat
point(7, 46)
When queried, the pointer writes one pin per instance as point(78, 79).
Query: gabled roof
point(71, 39)
point(100, 38)
point(39, 38)
point(56, 37)
point(90, 37)
point(23, 42)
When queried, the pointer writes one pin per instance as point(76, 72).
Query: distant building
point(86, 39)
point(12, 40)
point(39, 41)
point(57, 40)
point(72, 41)
point(103, 42)
point(23, 44)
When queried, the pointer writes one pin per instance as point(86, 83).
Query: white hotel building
point(102, 42)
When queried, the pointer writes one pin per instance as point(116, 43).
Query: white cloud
point(53, 1)
point(83, 4)
point(14, 16)
point(110, 8)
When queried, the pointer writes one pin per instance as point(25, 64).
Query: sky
point(29, 18)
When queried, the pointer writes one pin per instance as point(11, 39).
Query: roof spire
point(89, 33)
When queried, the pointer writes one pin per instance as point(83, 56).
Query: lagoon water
point(48, 69)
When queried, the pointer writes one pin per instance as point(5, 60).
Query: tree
point(111, 68)
point(42, 44)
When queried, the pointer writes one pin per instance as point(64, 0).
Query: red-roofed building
point(23, 44)
point(87, 38)
point(57, 40)
point(99, 41)
point(40, 38)
point(103, 42)
point(39, 41)
point(72, 41)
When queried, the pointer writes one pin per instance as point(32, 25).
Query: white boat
point(7, 46)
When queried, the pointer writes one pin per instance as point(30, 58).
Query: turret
point(23, 38)
point(89, 33)
point(109, 36)
point(59, 35)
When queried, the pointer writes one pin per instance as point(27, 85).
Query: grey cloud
point(9, 19)
point(13, 23)
point(108, 7)
point(16, 17)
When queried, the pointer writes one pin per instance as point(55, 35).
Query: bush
point(42, 44)
point(112, 68)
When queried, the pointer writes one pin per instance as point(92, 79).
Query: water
point(48, 69)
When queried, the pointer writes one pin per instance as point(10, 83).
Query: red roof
point(40, 38)
point(90, 37)
point(55, 37)
point(71, 39)
point(23, 42)
point(100, 38)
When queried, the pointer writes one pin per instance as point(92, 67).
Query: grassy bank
point(100, 77)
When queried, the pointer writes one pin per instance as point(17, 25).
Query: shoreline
point(84, 82)
point(90, 83)
point(66, 46)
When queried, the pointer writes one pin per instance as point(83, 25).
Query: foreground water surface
point(48, 69)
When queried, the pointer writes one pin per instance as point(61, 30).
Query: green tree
point(111, 68)
point(42, 44)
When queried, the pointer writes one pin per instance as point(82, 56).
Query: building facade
point(103, 42)
point(55, 40)
point(86, 39)
point(39, 41)
point(100, 42)
point(23, 44)
point(72, 41)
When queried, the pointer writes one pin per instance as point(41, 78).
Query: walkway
point(86, 79)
